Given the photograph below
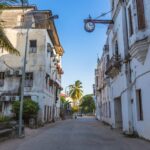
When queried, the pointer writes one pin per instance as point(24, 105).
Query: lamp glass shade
point(89, 26)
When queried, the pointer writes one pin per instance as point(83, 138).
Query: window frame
point(2, 78)
point(139, 101)
point(28, 79)
point(130, 21)
point(32, 47)
point(140, 14)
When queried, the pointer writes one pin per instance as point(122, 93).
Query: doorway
point(118, 112)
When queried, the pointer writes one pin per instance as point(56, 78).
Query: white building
point(129, 67)
point(43, 68)
point(103, 111)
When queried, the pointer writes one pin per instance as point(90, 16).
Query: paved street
point(81, 134)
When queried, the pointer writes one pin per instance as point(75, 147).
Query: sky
point(81, 48)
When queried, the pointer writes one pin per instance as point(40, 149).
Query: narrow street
point(82, 134)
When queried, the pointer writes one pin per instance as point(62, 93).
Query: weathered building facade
point(102, 88)
point(128, 67)
point(30, 27)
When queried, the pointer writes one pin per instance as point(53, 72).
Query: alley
point(82, 134)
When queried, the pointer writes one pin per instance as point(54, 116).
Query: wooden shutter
point(140, 14)
point(139, 104)
point(130, 21)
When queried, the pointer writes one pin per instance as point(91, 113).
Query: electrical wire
point(103, 14)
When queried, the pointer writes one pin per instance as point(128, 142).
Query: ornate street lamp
point(89, 24)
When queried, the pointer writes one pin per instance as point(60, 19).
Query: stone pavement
point(81, 134)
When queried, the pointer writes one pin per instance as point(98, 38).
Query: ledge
point(139, 49)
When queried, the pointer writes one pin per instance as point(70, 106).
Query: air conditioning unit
point(7, 98)
point(9, 73)
point(13, 98)
point(17, 73)
point(3, 98)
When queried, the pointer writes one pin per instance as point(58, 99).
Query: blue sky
point(81, 48)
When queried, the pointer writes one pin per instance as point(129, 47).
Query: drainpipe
point(128, 72)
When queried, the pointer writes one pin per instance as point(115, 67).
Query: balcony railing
point(113, 66)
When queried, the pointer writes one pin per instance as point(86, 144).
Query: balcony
point(59, 69)
point(99, 86)
point(139, 50)
point(107, 81)
point(113, 67)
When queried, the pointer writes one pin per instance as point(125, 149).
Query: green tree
point(4, 41)
point(76, 91)
point(30, 109)
point(74, 109)
point(87, 104)
point(64, 102)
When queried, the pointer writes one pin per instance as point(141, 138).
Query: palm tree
point(4, 41)
point(76, 91)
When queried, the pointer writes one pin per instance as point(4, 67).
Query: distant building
point(103, 108)
point(122, 101)
point(43, 67)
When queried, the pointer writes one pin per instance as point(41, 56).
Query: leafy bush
point(4, 118)
point(30, 109)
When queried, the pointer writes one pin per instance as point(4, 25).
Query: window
point(113, 3)
point(130, 21)
point(50, 112)
point(45, 109)
point(139, 105)
point(48, 48)
point(1, 50)
point(107, 58)
point(22, 18)
point(33, 46)
point(116, 48)
point(2, 76)
point(47, 77)
point(97, 81)
point(56, 95)
point(109, 110)
point(1, 105)
point(106, 109)
point(140, 14)
point(29, 80)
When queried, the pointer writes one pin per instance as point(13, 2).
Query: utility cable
point(103, 14)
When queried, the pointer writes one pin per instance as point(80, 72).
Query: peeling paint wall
point(40, 63)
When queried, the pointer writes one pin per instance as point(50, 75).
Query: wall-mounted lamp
point(89, 24)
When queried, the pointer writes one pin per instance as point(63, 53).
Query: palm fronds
point(76, 91)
